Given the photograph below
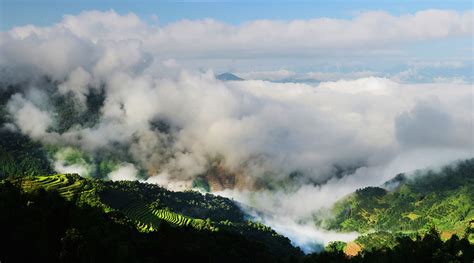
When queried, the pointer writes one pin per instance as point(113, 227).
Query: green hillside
point(67, 218)
point(147, 206)
point(68, 223)
point(441, 199)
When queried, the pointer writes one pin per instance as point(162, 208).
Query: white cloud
point(284, 75)
point(307, 236)
point(263, 127)
point(77, 84)
point(275, 75)
point(125, 172)
point(210, 38)
point(30, 119)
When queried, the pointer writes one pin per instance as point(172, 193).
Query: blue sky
point(420, 58)
point(22, 12)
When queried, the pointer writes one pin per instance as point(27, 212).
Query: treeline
point(426, 248)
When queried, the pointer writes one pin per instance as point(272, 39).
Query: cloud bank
point(211, 38)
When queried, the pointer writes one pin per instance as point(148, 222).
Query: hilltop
point(228, 77)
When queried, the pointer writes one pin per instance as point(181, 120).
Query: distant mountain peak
point(228, 77)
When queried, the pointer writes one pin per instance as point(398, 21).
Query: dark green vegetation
point(426, 248)
point(70, 113)
point(42, 226)
point(19, 156)
point(443, 199)
point(67, 218)
point(164, 224)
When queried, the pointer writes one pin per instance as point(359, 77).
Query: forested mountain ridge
point(148, 207)
point(410, 205)
point(66, 218)
point(66, 221)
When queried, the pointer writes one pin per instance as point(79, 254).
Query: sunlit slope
point(148, 205)
point(70, 186)
point(147, 202)
point(442, 199)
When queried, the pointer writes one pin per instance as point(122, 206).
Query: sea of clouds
point(294, 148)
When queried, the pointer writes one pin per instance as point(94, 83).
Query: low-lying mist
point(287, 150)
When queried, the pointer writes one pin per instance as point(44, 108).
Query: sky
point(22, 12)
point(441, 58)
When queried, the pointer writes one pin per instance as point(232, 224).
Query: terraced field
point(148, 219)
point(139, 212)
point(173, 218)
point(143, 227)
point(149, 208)
point(68, 185)
point(145, 217)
